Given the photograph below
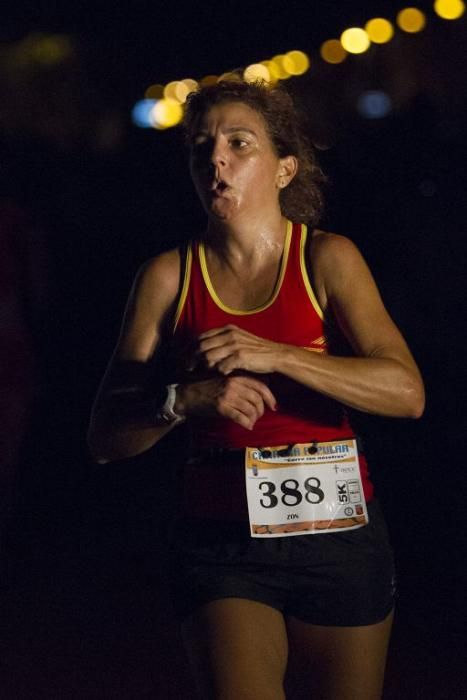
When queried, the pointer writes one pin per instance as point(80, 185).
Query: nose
point(218, 153)
point(209, 156)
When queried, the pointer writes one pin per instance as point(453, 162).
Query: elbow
point(417, 409)
point(415, 400)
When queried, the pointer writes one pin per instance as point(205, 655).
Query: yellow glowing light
point(181, 92)
point(154, 92)
point(183, 89)
point(278, 69)
point(170, 90)
point(191, 84)
point(209, 80)
point(257, 71)
point(296, 62)
point(379, 30)
point(288, 65)
point(51, 49)
point(411, 20)
point(166, 112)
point(270, 68)
point(449, 9)
point(332, 51)
point(355, 40)
point(231, 75)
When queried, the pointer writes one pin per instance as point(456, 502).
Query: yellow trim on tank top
point(186, 284)
point(305, 277)
point(272, 298)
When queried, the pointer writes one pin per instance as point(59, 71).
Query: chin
point(222, 214)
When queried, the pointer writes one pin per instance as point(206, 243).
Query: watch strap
point(167, 412)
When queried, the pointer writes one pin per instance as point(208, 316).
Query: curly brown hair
point(302, 200)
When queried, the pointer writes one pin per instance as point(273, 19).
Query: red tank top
point(293, 316)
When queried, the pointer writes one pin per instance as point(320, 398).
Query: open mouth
point(219, 187)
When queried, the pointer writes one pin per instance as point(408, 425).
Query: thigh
point(337, 663)
point(237, 649)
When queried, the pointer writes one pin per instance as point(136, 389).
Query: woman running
point(274, 328)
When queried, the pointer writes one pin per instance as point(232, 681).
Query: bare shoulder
point(335, 263)
point(159, 275)
point(151, 301)
point(333, 249)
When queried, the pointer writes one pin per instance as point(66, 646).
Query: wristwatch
point(166, 412)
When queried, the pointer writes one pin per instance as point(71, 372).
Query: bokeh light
point(154, 92)
point(234, 75)
point(163, 105)
point(355, 40)
point(166, 113)
point(277, 68)
point(141, 113)
point(379, 30)
point(170, 90)
point(257, 71)
point(449, 9)
point(270, 68)
point(184, 88)
point(411, 20)
point(374, 104)
point(209, 80)
point(53, 49)
point(332, 51)
point(296, 62)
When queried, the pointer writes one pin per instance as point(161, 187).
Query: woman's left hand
point(230, 348)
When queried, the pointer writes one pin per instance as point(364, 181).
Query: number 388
point(292, 495)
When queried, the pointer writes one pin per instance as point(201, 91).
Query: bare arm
point(382, 379)
point(124, 416)
point(125, 419)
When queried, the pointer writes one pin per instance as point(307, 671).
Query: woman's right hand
point(241, 398)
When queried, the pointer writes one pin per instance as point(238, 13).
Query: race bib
point(304, 489)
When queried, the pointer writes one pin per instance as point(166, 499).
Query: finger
point(213, 341)
point(216, 349)
point(244, 398)
point(209, 347)
point(232, 356)
point(226, 336)
point(264, 391)
point(214, 357)
point(248, 402)
point(252, 407)
point(216, 331)
point(240, 418)
point(231, 359)
point(245, 412)
point(256, 402)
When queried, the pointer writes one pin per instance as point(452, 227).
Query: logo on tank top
point(317, 345)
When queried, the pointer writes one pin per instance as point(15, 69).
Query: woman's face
point(234, 166)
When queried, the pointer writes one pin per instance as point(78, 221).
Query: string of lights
point(163, 105)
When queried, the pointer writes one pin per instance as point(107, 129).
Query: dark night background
point(86, 197)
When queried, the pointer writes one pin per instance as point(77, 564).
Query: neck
point(237, 241)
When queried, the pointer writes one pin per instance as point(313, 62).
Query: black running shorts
point(339, 578)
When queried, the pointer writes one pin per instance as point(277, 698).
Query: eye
point(239, 143)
